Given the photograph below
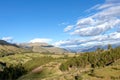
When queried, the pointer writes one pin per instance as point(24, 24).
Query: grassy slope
point(10, 49)
point(47, 71)
point(107, 73)
point(23, 58)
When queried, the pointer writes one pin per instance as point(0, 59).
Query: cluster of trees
point(99, 58)
point(12, 72)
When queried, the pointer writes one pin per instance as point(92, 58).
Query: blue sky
point(24, 20)
point(63, 23)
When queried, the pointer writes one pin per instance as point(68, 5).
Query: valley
point(64, 66)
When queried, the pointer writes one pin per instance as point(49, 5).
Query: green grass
point(20, 58)
point(25, 57)
point(38, 61)
point(103, 73)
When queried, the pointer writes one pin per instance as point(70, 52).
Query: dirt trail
point(51, 66)
point(36, 70)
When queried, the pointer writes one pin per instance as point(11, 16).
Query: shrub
point(63, 67)
point(12, 72)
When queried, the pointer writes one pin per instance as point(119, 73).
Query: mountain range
point(10, 48)
point(7, 48)
point(90, 48)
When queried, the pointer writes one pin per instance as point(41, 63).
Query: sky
point(63, 23)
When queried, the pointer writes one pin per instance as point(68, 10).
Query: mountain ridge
point(43, 48)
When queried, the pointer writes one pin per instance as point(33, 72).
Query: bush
point(12, 72)
point(63, 67)
point(78, 77)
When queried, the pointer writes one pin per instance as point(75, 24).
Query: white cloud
point(94, 7)
point(40, 40)
point(7, 38)
point(104, 6)
point(82, 23)
point(97, 27)
point(113, 11)
point(112, 38)
point(107, 18)
point(68, 28)
point(115, 35)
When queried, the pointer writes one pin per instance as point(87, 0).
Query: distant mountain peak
point(38, 44)
point(43, 47)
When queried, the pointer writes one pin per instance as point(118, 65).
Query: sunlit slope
point(43, 48)
point(8, 48)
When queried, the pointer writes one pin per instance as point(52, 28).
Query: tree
point(109, 47)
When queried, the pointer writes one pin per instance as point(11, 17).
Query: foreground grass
point(38, 61)
point(107, 73)
point(111, 72)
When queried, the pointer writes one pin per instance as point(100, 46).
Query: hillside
point(43, 48)
point(7, 48)
point(10, 49)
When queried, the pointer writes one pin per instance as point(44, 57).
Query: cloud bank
point(9, 39)
point(101, 28)
point(40, 40)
